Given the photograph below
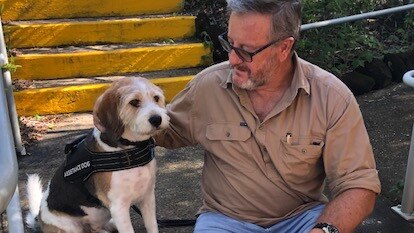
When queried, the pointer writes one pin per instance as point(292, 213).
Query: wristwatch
point(326, 227)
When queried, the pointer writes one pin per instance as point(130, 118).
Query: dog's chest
point(132, 184)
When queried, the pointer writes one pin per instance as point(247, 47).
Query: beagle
point(107, 171)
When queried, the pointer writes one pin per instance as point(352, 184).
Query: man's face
point(250, 31)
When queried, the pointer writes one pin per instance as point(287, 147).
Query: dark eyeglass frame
point(239, 51)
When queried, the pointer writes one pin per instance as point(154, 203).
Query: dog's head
point(131, 108)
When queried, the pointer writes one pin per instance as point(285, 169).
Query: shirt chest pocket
point(302, 162)
point(230, 147)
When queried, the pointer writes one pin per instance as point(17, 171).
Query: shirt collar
point(299, 80)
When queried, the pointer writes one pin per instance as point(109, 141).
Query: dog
point(126, 116)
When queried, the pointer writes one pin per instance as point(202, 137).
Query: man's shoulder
point(219, 70)
point(211, 77)
point(323, 80)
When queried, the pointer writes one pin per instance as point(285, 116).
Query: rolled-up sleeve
point(348, 156)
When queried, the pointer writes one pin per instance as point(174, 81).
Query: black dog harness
point(81, 162)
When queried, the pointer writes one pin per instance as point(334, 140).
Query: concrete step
point(79, 98)
point(46, 9)
point(44, 97)
point(104, 61)
point(69, 51)
point(47, 33)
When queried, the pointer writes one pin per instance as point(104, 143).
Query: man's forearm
point(348, 210)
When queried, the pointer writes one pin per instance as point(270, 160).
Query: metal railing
point(347, 19)
point(10, 133)
point(406, 209)
point(9, 138)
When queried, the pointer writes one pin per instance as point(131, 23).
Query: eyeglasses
point(243, 54)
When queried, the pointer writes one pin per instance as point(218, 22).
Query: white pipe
point(408, 79)
point(6, 76)
point(14, 214)
point(406, 209)
point(407, 203)
point(8, 160)
point(351, 18)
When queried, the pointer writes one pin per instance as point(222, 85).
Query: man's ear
point(286, 47)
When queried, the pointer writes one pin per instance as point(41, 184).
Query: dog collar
point(81, 162)
point(127, 142)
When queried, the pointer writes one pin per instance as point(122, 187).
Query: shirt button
point(304, 151)
point(265, 149)
point(228, 134)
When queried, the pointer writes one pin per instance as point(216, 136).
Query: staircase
point(70, 50)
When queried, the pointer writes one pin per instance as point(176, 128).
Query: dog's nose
point(155, 120)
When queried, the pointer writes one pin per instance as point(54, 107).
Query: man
point(273, 127)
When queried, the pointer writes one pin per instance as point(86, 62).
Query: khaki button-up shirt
point(264, 172)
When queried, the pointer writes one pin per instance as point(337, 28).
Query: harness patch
point(78, 167)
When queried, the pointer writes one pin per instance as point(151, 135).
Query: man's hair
point(286, 15)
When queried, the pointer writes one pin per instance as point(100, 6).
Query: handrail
point(9, 138)
point(10, 98)
point(8, 160)
point(351, 18)
point(406, 209)
point(408, 78)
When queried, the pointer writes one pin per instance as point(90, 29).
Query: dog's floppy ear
point(96, 122)
point(106, 112)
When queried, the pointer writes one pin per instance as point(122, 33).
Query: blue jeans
point(212, 222)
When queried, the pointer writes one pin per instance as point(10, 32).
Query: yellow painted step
point(52, 9)
point(25, 35)
point(101, 63)
point(79, 98)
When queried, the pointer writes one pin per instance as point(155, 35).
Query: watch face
point(331, 229)
point(327, 228)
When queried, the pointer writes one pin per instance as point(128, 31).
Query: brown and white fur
point(134, 109)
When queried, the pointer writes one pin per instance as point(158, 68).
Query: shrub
point(342, 48)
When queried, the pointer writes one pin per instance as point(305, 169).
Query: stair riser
point(100, 63)
point(46, 9)
point(79, 98)
point(99, 32)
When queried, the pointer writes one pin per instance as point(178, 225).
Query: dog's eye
point(134, 103)
point(156, 98)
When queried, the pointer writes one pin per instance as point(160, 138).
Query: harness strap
point(81, 163)
point(122, 160)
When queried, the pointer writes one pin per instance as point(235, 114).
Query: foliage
point(337, 48)
point(344, 47)
point(397, 189)
point(11, 66)
point(168, 41)
point(208, 43)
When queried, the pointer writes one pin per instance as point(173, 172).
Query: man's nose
point(234, 58)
